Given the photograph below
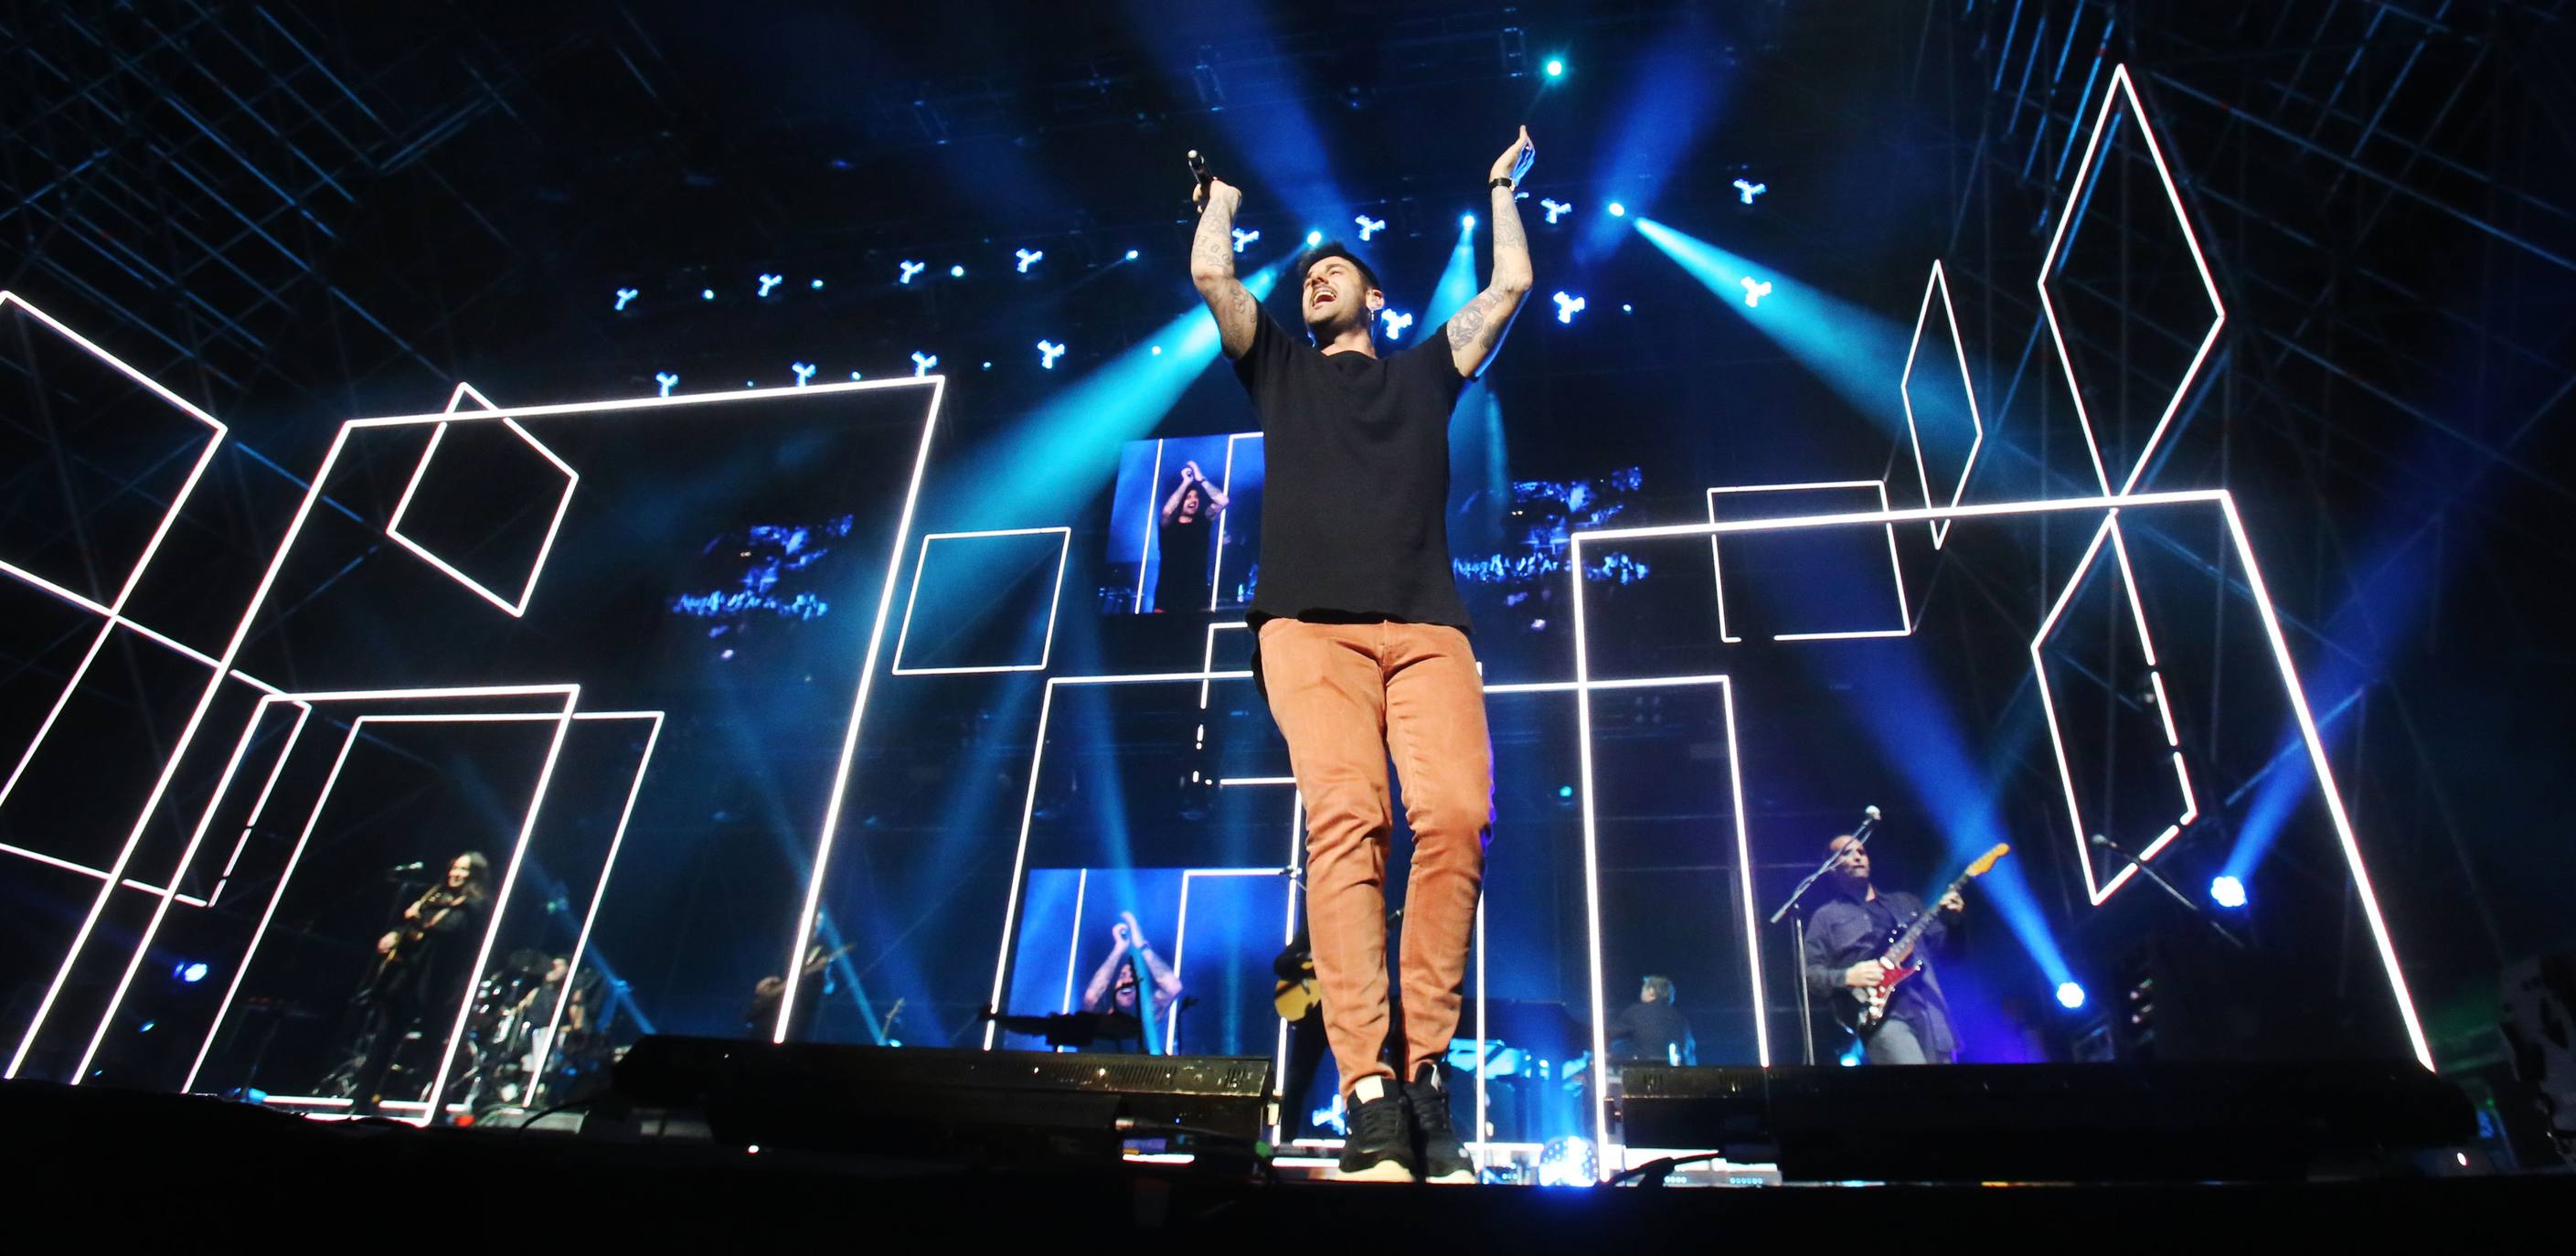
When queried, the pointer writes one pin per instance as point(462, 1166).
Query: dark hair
point(1662, 986)
point(1335, 248)
point(478, 875)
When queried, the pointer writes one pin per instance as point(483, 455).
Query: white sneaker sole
point(1459, 1177)
point(1382, 1171)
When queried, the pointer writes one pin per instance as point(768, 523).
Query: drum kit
point(507, 1026)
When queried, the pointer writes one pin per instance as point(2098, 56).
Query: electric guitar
point(1868, 1004)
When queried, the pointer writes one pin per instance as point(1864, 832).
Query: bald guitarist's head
point(1851, 864)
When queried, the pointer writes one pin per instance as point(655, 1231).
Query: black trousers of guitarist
point(418, 991)
point(1847, 931)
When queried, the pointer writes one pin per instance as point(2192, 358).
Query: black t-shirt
point(1182, 582)
point(1355, 513)
point(1654, 1032)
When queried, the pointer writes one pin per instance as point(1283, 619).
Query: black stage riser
point(973, 1105)
point(2027, 1122)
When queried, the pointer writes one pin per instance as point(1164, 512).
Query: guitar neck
point(1923, 919)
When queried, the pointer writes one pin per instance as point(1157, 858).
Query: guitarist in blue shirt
point(1846, 946)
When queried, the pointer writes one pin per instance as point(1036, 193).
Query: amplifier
point(975, 1105)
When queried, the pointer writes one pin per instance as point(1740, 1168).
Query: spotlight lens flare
point(191, 972)
point(1131, 255)
point(1314, 238)
point(1467, 221)
point(2227, 892)
point(1616, 210)
point(2070, 995)
point(1555, 68)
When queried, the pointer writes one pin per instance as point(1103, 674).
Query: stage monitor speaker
point(976, 1106)
point(2050, 1122)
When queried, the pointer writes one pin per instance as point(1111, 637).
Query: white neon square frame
point(570, 695)
point(2122, 85)
point(1895, 566)
point(114, 876)
point(921, 562)
point(572, 481)
point(112, 613)
point(1905, 393)
point(2347, 841)
point(599, 891)
point(2095, 888)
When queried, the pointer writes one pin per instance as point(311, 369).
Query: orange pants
point(1347, 697)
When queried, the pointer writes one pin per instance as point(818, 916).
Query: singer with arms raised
point(1362, 652)
point(1844, 938)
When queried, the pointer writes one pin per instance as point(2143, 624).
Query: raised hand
point(1515, 161)
point(1219, 191)
point(1135, 932)
point(1118, 934)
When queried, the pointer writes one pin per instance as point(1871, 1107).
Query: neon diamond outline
point(2095, 889)
point(1905, 394)
point(572, 481)
point(2076, 205)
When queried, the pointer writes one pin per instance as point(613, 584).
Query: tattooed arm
point(1477, 328)
point(1212, 271)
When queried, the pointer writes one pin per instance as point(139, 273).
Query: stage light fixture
point(2227, 892)
point(190, 972)
point(1048, 352)
point(1568, 1161)
point(768, 282)
point(1755, 290)
point(2070, 995)
point(1131, 255)
point(1567, 307)
point(1158, 352)
point(1243, 237)
point(1369, 226)
point(922, 362)
point(1395, 322)
point(1625, 308)
point(1617, 210)
point(667, 380)
point(1028, 258)
point(854, 376)
point(957, 271)
point(706, 294)
point(1314, 238)
point(1555, 209)
point(1555, 68)
point(1747, 189)
point(909, 270)
point(804, 372)
point(625, 295)
point(817, 285)
point(1466, 222)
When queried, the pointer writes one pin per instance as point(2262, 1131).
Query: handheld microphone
point(1199, 173)
point(413, 866)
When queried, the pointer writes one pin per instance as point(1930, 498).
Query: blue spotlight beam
point(1084, 424)
point(1855, 351)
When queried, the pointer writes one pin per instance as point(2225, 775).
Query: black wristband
point(1503, 183)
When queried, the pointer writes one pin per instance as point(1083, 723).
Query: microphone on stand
point(2103, 843)
point(1871, 812)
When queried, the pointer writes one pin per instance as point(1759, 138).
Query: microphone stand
point(2168, 887)
point(1798, 929)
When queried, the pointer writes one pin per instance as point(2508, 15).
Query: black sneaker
point(1436, 1146)
point(1380, 1147)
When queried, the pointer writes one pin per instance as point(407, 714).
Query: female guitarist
point(423, 964)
